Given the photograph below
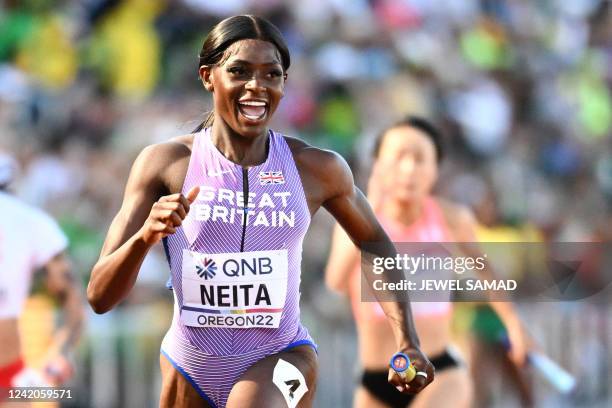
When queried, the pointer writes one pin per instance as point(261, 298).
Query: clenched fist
point(167, 214)
point(424, 373)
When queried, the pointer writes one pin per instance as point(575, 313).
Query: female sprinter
point(407, 155)
point(232, 204)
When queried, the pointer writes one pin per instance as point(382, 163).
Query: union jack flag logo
point(271, 177)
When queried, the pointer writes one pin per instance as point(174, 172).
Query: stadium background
point(521, 88)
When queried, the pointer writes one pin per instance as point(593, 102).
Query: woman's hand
point(424, 368)
point(58, 370)
point(167, 214)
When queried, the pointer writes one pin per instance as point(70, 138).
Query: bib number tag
point(234, 290)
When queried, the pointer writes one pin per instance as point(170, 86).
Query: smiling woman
point(236, 339)
point(249, 52)
point(250, 82)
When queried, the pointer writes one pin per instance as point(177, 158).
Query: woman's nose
point(255, 83)
point(407, 166)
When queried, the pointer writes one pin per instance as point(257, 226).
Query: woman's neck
point(403, 213)
point(241, 150)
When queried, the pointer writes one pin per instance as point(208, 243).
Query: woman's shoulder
point(166, 162)
point(170, 150)
point(315, 159)
point(324, 173)
point(179, 145)
point(457, 216)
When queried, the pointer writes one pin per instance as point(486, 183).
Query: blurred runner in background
point(30, 240)
point(407, 156)
point(488, 357)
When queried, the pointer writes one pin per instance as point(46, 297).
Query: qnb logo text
point(242, 267)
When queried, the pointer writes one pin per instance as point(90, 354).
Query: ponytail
point(206, 123)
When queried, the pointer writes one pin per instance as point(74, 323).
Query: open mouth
point(253, 110)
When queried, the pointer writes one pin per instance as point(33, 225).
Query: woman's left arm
point(331, 181)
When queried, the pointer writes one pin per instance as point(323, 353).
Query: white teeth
point(253, 117)
point(253, 103)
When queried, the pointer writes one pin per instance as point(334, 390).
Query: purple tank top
point(236, 277)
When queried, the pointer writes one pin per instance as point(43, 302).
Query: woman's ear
point(205, 73)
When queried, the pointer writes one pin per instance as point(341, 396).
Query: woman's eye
point(275, 73)
point(236, 70)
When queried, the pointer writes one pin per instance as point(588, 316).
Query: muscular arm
point(328, 182)
point(140, 223)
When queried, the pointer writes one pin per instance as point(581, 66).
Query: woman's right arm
point(146, 216)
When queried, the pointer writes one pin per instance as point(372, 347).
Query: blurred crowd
point(522, 90)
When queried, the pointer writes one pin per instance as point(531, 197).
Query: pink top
point(430, 227)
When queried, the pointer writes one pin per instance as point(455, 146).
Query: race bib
point(234, 290)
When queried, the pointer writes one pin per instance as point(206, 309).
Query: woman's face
point(247, 85)
point(408, 164)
